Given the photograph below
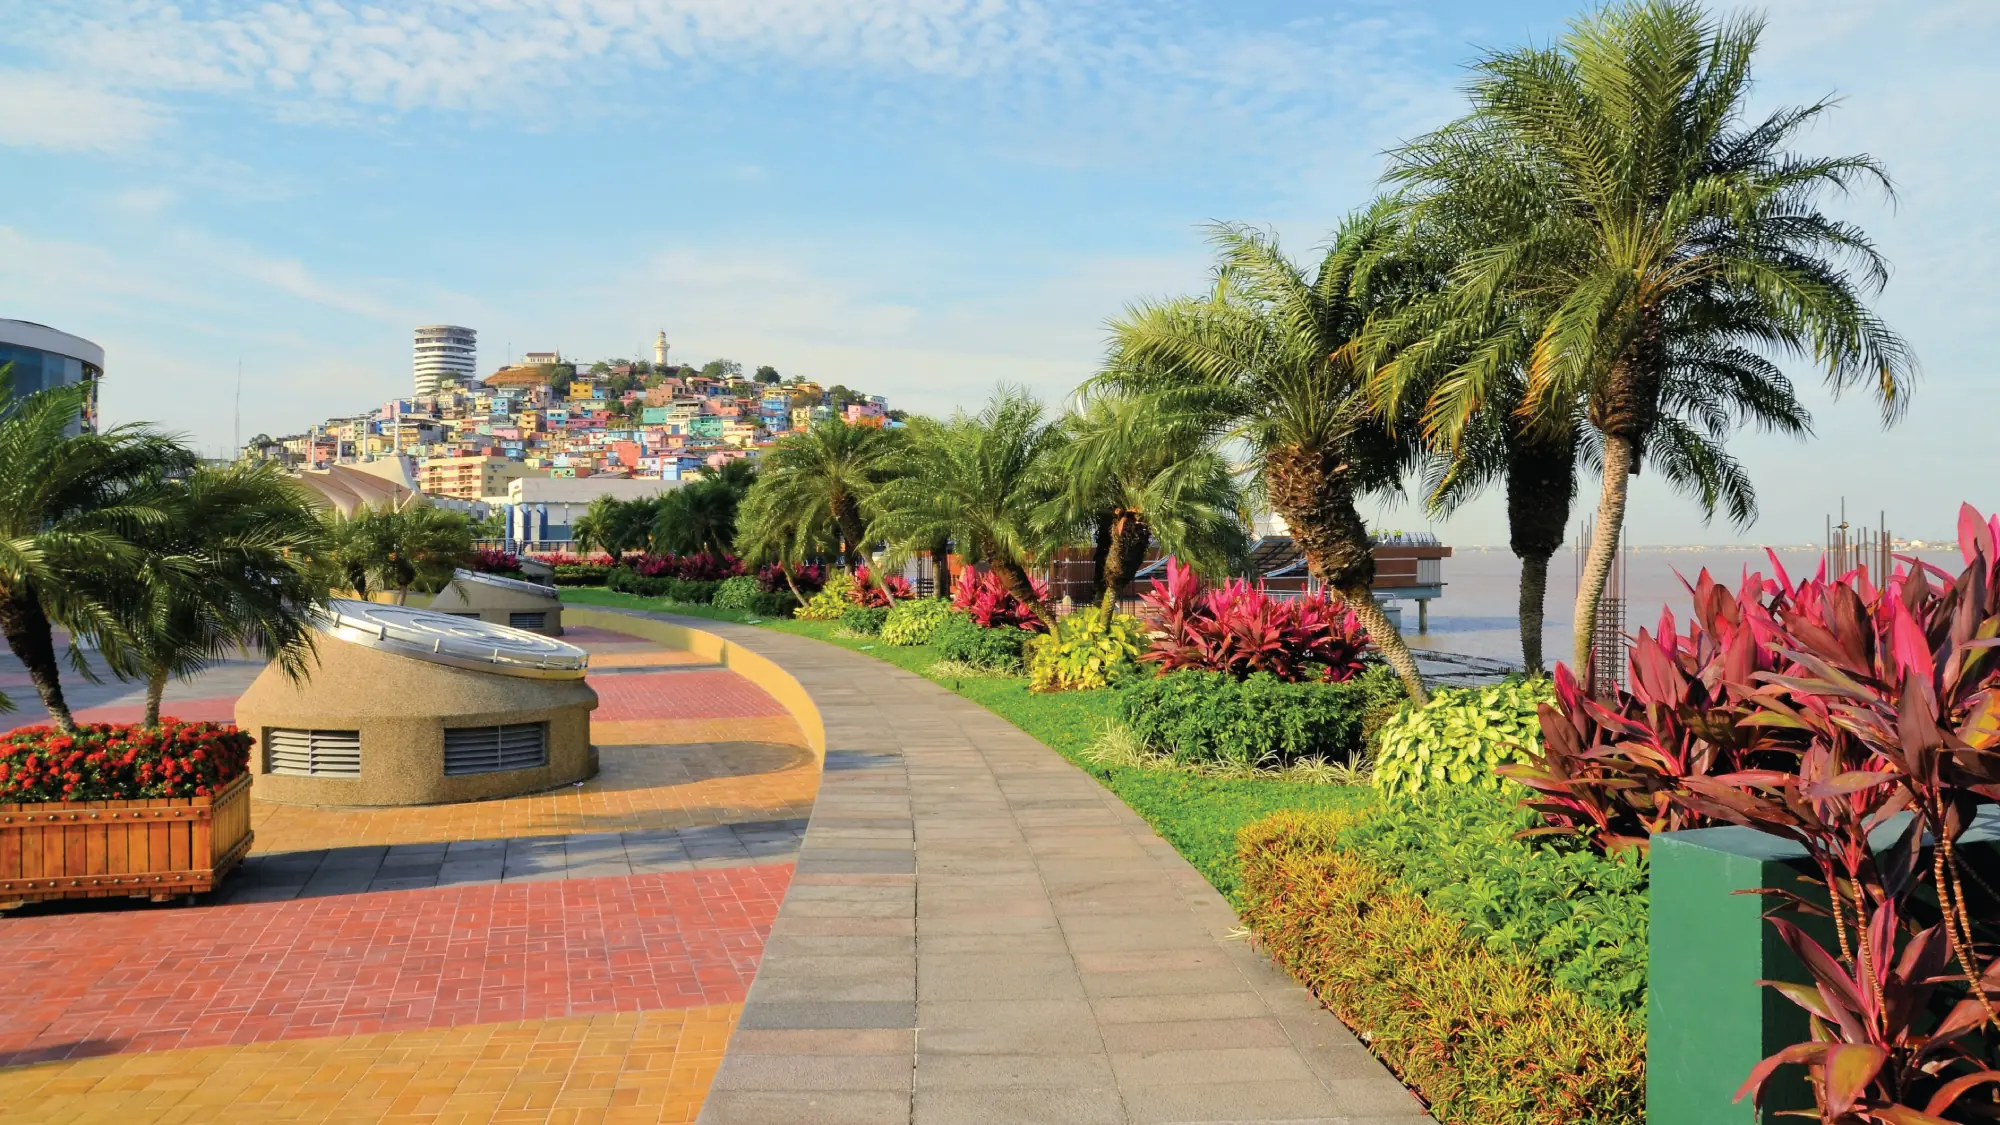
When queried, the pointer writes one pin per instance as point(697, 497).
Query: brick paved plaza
point(576, 956)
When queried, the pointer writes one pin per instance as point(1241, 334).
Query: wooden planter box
point(157, 849)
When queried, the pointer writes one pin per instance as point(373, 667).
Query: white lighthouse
point(660, 351)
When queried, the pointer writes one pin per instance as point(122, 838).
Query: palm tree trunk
point(1534, 592)
point(1129, 537)
point(1017, 583)
point(1104, 538)
point(1541, 490)
point(794, 585)
point(1310, 488)
point(1603, 545)
point(941, 562)
point(28, 634)
point(156, 686)
point(847, 517)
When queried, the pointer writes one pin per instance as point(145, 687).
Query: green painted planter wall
point(1707, 1020)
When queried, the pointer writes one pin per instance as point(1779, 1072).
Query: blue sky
point(920, 197)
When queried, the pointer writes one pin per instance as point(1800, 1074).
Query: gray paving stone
point(1066, 965)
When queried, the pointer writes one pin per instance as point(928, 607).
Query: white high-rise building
point(445, 354)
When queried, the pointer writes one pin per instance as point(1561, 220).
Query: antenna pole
point(236, 429)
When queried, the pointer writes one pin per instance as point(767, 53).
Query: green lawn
point(1199, 816)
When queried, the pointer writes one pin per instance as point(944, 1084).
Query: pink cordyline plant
point(982, 595)
point(1829, 713)
point(1240, 629)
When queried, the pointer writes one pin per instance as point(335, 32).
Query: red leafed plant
point(1240, 629)
point(981, 594)
point(809, 578)
point(702, 567)
point(120, 762)
point(487, 560)
point(868, 593)
point(1833, 714)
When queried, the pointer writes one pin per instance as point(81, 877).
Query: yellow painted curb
point(759, 670)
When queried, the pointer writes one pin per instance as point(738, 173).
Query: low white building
point(539, 511)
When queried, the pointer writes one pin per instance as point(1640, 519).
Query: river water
point(1479, 612)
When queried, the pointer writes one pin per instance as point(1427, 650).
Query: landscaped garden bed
point(120, 810)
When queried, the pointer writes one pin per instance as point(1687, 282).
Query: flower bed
point(120, 810)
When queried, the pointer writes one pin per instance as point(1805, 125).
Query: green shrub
point(691, 591)
point(831, 601)
point(773, 605)
point(914, 621)
point(739, 592)
point(1087, 650)
point(1487, 1038)
point(865, 620)
point(581, 574)
point(1578, 915)
point(961, 640)
point(1460, 736)
point(1200, 717)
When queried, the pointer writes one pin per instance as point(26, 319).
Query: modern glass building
point(38, 357)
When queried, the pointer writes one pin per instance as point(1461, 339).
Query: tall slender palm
point(71, 504)
point(979, 481)
point(1655, 243)
point(1132, 475)
point(1268, 357)
point(229, 569)
point(832, 468)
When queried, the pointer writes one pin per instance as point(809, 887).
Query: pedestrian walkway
point(573, 956)
point(978, 932)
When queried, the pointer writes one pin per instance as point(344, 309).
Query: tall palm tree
point(616, 526)
point(1269, 358)
point(980, 482)
point(770, 531)
point(832, 468)
point(1653, 241)
point(1131, 476)
point(71, 503)
point(229, 569)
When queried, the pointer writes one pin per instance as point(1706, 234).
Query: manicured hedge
point(119, 762)
point(1487, 1038)
point(690, 590)
point(1212, 717)
point(581, 574)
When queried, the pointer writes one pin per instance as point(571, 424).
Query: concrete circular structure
point(412, 707)
point(502, 601)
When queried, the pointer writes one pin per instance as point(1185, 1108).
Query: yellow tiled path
point(610, 1069)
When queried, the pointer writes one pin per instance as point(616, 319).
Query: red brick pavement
point(104, 983)
point(699, 693)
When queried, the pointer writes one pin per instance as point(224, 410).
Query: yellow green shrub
point(1461, 736)
point(1485, 1039)
point(833, 599)
point(1088, 649)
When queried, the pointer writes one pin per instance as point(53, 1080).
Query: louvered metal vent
point(472, 613)
point(314, 753)
point(522, 746)
point(527, 620)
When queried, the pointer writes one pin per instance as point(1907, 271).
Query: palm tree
point(1269, 358)
point(70, 505)
point(414, 547)
point(701, 514)
point(981, 482)
point(1652, 242)
point(1132, 476)
point(229, 569)
point(833, 468)
point(616, 526)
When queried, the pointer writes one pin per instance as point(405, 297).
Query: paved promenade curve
point(979, 932)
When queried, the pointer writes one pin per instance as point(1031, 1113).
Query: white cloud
point(44, 110)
